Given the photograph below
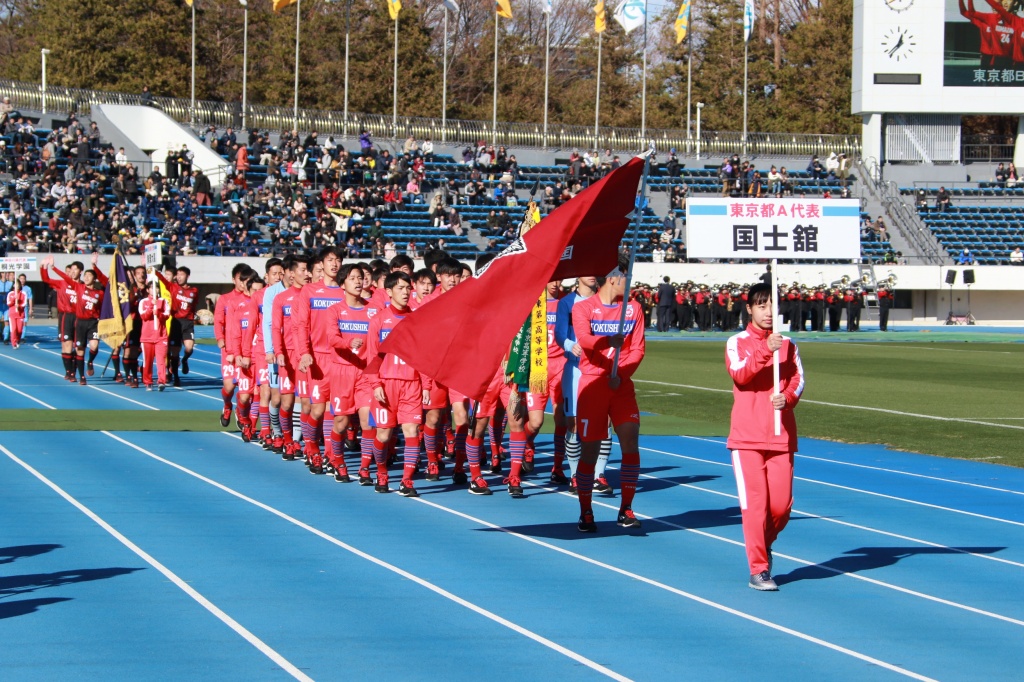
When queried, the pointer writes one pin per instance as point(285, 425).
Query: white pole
point(348, 21)
point(192, 111)
point(547, 63)
point(44, 52)
point(245, 57)
point(597, 99)
point(775, 330)
point(689, 83)
point(643, 91)
point(298, 19)
point(700, 105)
point(745, 64)
point(444, 81)
point(494, 104)
point(394, 88)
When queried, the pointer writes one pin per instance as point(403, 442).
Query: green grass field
point(959, 382)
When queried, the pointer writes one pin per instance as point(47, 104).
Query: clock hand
point(897, 46)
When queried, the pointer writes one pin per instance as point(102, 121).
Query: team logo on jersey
point(286, 310)
point(610, 328)
point(245, 324)
point(353, 326)
point(321, 303)
point(384, 333)
point(513, 249)
point(552, 318)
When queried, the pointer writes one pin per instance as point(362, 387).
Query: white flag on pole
point(451, 4)
point(631, 14)
point(748, 19)
point(547, 6)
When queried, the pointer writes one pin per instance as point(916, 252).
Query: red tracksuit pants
point(765, 484)
point(154, 351)
point(17, 327)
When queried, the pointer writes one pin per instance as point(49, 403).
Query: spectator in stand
point(816, 170)
point(1000, 174)
point(942, 199)
point(774, 182)
point(202, 189)
point(147, 97)
point(832, 165)
point(454, 222)
point(1016, 257)
point(365, 143)
point(428, 149)
point(965, 258)
point(1012, 180)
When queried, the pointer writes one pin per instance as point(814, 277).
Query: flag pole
point(775, 330)
point(348, 26)
point(394, 87)
point(746, 44)
point(689, 82)
point(245, 58)
point(444, 80)
point(192, 113)
point(637, 217)
point(295, 112)
point(643, 92)
point(547, 61)
point(597, 100)
point(494, 98)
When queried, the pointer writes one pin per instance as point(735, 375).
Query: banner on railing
point(804, 229)
point(18, 264)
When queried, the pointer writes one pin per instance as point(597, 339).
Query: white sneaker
point(763, 582)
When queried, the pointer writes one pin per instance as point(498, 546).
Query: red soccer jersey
point(554, 350)
point(390, 366)
point(282, 327)
point(432, 296)
point(224, 312)
point(183, 298)
point(67, 293)
point(150, 309)
point(595, 323)
point(242, 328)
point(17, 301)
point(311, 317)
point(257, 337)
point(996, 37)
point(87, 300)
point(377, 302)
point(344, 325)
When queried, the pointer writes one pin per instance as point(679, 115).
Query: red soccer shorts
point(538, 401)
point(438, 398)
point(227, 369)
point(260, 369)
point(343, 380)
point(244, 377)
point(497, 391)
point(404, 406)
point(364, 393)
point(286, 376)
point(597, 403)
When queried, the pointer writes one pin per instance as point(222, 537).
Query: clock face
point(898, 44)
point(899, 5)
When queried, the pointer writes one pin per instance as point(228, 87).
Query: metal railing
point(906, 221)
point(454, 131)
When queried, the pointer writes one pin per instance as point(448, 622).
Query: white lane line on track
point(841, 487)
point(92, 386)
point(26, 395)
point(849, 407)
point(255, 641)
point(569, 653)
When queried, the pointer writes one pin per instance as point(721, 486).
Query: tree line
point(799, 58)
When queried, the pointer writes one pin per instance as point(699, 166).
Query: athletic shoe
point(89, 369)
point(572, 487)
point(528, 461)
point(135, 383)
point(184, 365)
point(341, 476)
point(515, 489)
point(601, 485)
point(460, 478)
point(762, 582)
point(277, 444)
point(364, 477)
point(246, 432)
point(406, 490)
point(118, 379)
point(149, 387)
point(433, 473)
point(316, 465)
point(225, 417)
point(238, 424)
point(479, 487)
point(162, 386)
point(177, 382)
point(586, 523)
point(381, 486)
point(495, 465)
point(627, 519)
point(290, 450)
point(558, 478)
point(328, 466)
point(68, 376)
point(81, 381)
point(352, 446)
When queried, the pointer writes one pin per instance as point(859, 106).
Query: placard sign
point(154, 255)
point(784, 229)
point(18, 264)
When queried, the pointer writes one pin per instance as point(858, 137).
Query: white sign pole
point(775, 330)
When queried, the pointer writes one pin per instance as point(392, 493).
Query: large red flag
point(460, 338)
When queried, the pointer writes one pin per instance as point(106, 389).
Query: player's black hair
point(239, 269)
point(182, 268)
point(433, 257)
point(78, 263)
point(666, 279)
point(378, 263)
point(395, 277)
point(401, 261)
point(467, 271)
point(759, 293)
point(425, 272)
point(292, 262)
point(482, 260)
point(622, 265)
point(327, 250)
point(272, 262)
point(379, 272)
point(449, 266)
point(346, 270)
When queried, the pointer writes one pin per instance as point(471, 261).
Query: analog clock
point(898, 44)
point(899, 5)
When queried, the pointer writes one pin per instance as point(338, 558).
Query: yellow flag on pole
point(600, 18)
point(394, 7)
point(504, 8)
point(188, 2)
point(683, 21)
point(281, 4)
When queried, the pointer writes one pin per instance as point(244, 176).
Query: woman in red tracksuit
point(762, 461)
point(154, 312)
point(17, 303)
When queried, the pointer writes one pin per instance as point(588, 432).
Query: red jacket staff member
point(762, 461)
point(154, 311)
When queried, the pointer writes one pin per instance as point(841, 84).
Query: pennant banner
point(683, 21)
point(631, 14)
point(394, 7)
point(281, 4)
point(600, 18)
point(116, 305)
point(504, 8)
point(748, 19)
point(481, 315)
